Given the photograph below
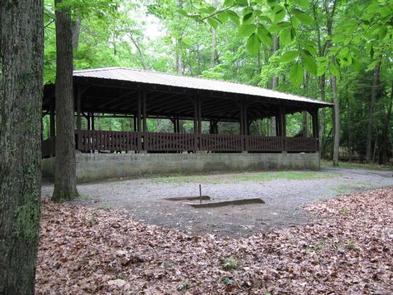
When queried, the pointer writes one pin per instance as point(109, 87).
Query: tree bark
point(21, 63)
point(275, 47)
point(336, 136)
point(386, 134)
point(65, 164)
point(370, 126)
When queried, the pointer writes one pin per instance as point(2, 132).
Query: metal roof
point(151, 77)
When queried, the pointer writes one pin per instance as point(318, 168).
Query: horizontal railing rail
point(116, 141)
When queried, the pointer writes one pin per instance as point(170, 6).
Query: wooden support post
point(278, 125)
point(139, 113)
point(174, 122)
point(138, 125)
point(284, 130)
point(241, 119)
point(178, 124)
point(242, 126)
point(199, 116)
point(315, 123)
point(213, 128)
point(246, 131)
point(144, 112)
point(92, 121)
point(134, 123)
point(196, 117)
point(315, 127)
point(88, 119)
point(78, 109)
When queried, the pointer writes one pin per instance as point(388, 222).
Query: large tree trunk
point(370, 126)
point(336, 118)
point(65, 168)
point(21, 62)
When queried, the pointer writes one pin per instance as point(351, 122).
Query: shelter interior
point(95, 97)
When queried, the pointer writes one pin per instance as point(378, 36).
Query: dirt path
point(285, 193)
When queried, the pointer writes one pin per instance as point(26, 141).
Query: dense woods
point(333, 50)
point(337, 51)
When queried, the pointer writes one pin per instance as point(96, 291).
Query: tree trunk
point(370, 127)
point(21, 63)
point(386, 134)
point(336, 136)
point(65, 168)
point(275, 47)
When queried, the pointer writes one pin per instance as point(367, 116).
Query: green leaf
point(285, 36)
point(271, 2)
point(245, 30)
point(296, 74)
point(247, 17)
point(241, 2)
point(214, 22)
point(309, 64)
point(265, 36)
point(322, 63)
point(253, 44)
point(233, 17)
point(222, 16)
point(289, 56)
point(334, 70)
point(279, 13)
point(302, 16)
point(303, 3)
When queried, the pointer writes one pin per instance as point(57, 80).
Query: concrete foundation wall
point(92, 167)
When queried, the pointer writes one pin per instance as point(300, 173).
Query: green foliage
point(232, 40)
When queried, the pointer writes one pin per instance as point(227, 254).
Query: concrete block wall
point(92, 167)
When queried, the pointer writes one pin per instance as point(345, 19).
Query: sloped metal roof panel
point(151, 77)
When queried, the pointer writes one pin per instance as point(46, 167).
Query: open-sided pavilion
point(140, 95)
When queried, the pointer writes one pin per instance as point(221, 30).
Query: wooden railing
point(264, 143)
point(115, 141)
point(221, 142)
point(301, 144)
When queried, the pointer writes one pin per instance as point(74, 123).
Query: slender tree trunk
point(65, 164)
point(386, 134)
point(350, 133)
point(370, 126)
point(275, 47)
point(21, 63)
point(336, 136)
point(305, 118)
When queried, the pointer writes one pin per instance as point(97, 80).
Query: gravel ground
point(144, 198)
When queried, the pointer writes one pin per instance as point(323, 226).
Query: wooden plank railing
point(264, 143)
point(221, 142)
point(301, 144)
point(114, 141)
point(168, 142)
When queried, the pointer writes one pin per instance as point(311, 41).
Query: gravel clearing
point(285, 194)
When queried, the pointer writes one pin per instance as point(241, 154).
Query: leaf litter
point(349, 250)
